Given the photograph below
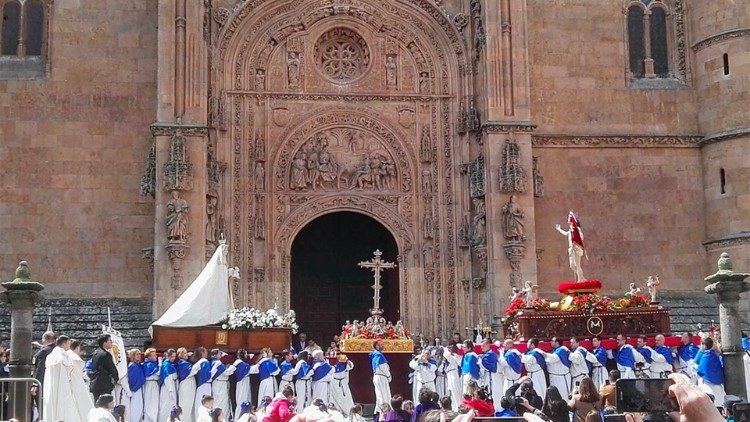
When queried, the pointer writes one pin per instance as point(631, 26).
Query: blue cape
point(303, 370)
point(539, 357)
point(243, 368)
point(89, 366)
point(489, 361)
point(136, 376)
point(183, 369)
point(564, 355)
point(341, 367)
point(624, 357)
point(687, 352)
point(711, 368)
point(150, 368)
point(601, 355)
point(745, 343)
point(320, 371)
point(204, 374)
point(285, 367)
point(514, 361)
point(646, 354)
point(220, 368)
point(267, 368)
point(470, 365)
point(377, 358)
point(666, 352)
point(167, 369)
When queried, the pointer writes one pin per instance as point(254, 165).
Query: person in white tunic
point(58, 385)
point(136, 380)
point(103, 410)
point(489, 362)
point(167, 384)
point(220, 385)
point(186, 372)
point(287, 370)
point(267, 369)
point(662, 359)
point(598, 359)
point(535, 363)
point(626, 356)
point(242, 391)
point(381, 375)
point(303, 379)
point(151, 388)
point(322, 377)
point(424, 371)
point(710, 370)
point(81, 394)
point(341, 394)
point(202, 379)
point(452, 376)
point(440, 386)
point(511, 364)
point(686, 355)
point(579, 366)
point(558, 367)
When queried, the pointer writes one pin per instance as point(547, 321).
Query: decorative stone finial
point(22, 272)
point(725, 263)
point(23, 280)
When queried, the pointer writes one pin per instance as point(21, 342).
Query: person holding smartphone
point(585, 400)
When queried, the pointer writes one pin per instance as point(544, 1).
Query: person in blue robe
point(136, 381)
point(710, 370)
point(470, 363)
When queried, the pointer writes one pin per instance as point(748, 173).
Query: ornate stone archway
point(326, 106)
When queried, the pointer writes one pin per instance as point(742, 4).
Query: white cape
point(206, 300)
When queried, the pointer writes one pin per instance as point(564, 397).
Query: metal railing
point(20, 399)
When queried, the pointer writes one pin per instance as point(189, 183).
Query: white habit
point(559, 374)
point(453, 378)
point(151, 399)
point(167, 396)
point(424, 376)
point(535, 372)
point(220, 388)
point(58, 388)
point(186, 394)
point(381, 380)
point(321, 389)
point(341, 394)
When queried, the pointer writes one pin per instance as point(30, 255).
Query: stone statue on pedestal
point(652, 284)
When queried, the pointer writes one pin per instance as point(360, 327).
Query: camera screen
point(645, 395)
point(741, 412)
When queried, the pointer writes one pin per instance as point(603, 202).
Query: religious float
point(581, 310)
point(204, 316)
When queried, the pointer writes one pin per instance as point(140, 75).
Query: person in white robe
point(322, 377)
point(627, 357)
point(579, 366)
point(220, 385)
point(136, 380)
point(686, 356)
point(381, 376)
point(470, 369)
point(709, 367)
point(151, 387)
point(83, 399)
point(58, 385)
point(662, 358)
point(558, 367)
point(535, 363)
point(303, 380)
point(242, 391)
point(202, 413)
point(186, 372)
point(267, 369)
point(202, 380)
point(452, 376)
point(167, 384)
point(424, 371)
point(440, 380)
point(341, 394)
point(287, 370)
point(598, 359)
point(489, 362)
point(511, 364)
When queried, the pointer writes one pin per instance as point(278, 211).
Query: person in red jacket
point(477, 399)
point(281, 409)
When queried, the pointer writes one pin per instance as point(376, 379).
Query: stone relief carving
point(148, 180)
point(259, 221)
point(538, 179)
point(512, 173)
point(460, 20)
point(212, 226)
point(623, 141)
point(259, 275)
point(177, 219)
point(260, 80)
point(424, 82)
point(221, 16)
point(426, 181)
point(428, 221)
point(479, 227)
point(515, 252)
point(513, 226)
point(391, 71)
point(426, 149)
point(464, 232)
point(472, 119)
point(293, 63)
point(260, 146)
point(406, 117)
point(477, 177)
point(260, 176)
point(178, 172)
point(342, 55)
point(428, 260)
point(480, 37)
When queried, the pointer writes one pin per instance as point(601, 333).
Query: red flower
point(516, 305)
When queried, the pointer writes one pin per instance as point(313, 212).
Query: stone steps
point(82, 319)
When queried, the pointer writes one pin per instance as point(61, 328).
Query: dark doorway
point(327, 285)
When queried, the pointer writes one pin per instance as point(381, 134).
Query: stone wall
point(641, 210)
point(73, 148)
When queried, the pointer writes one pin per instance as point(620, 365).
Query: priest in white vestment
point(381, 376)
point(60, 402)
point(83, 399)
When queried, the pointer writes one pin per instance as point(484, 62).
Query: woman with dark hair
point(397, 412)
point(555, 407)
point(176, 414)
point(585, 400)
point(426, 404)
point(217, 415)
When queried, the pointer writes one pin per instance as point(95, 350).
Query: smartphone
point(615, 418)
point(578, 383)
point(645, 395)
point(741, 412)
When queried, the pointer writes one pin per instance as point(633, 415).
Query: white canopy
point(207, 299)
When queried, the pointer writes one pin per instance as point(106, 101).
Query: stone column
point(21, 295)
point(727, 286)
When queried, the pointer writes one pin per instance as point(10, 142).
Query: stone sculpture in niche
point(513, 226)
point(212, 201)
point(293, 63)
point(260, 176)
point(177, 219)
point(512, 173)
point(391, 71)
point(260, 80)
point(424, 82)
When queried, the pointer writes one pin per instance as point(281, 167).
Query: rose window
point(341, 55)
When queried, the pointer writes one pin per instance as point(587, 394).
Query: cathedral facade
point(453, 135)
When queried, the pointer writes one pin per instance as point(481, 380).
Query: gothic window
point(341, 55)
point(649, 39)
point(23, 38)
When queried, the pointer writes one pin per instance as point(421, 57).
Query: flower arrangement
point(250, 318)
point(515, 305)
point(362, 331)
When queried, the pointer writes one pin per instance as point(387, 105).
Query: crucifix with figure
point(377, 265)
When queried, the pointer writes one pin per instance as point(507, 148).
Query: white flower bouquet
point(250, 318)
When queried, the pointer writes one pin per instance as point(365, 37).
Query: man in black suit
point(40, 358)
point(301, 343)
point(104, 373)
